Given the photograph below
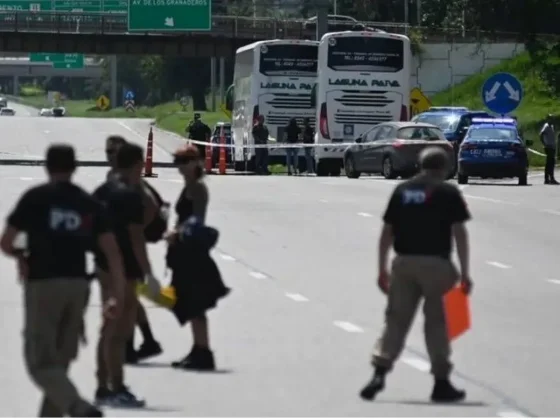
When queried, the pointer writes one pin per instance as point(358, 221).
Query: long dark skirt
point(198, 285)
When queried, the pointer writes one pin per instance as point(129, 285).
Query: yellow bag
point(166, 298)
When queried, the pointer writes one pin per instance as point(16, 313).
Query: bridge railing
point(224, 26)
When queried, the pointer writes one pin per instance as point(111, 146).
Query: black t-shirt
point(62, 223)
point(292, 133)
point(422, 212)
point(308, 134)
point(125, 207)
point(199, 131)
point(260, 134)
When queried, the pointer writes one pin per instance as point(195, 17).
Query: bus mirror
point(229, 98)
point(314, 96)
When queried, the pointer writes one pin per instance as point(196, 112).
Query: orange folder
point(457, 312)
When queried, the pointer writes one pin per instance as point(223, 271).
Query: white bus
point(363, 80)
point(274, 79)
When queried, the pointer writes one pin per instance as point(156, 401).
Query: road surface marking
point(348, 326)
point(549, 211)
point(554, 281)
point(490, 200)
point(417, 363)
point(510, 413)
point(365, 215)
point(497, 264)
point(46, 131)
point(257, 275)
point(323, 200)
point(297, 297)
point(145, 138)
point(26, 178)
point(227, 257)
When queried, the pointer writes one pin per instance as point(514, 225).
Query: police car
point(493, 148)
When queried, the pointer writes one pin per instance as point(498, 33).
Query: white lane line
point(46, 131)
point(490, 200)
point(417, 363)
point(348, 327)
point(510, 414)
point(144, 138)
point(257, 275)
point(297, 297)
point(553, 281)
point(26, 178)
point(323, 200)
point(497, 264)
point(227, 257)
point(549, 211)
point(364, 214)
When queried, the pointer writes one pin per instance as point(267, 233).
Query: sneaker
point(103, 396)
point(131, 357)
point(200, 359)
point(126, 399)
point(180, 362)
point(148, 349)
point(445, 392)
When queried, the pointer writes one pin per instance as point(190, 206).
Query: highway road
point(294, 337)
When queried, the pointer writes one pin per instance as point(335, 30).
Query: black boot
point(445, 392)
point(148, 349)
point(376, 385)
point(131, 357)
point(181, 362)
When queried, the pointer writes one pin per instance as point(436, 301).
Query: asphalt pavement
point(295, 335)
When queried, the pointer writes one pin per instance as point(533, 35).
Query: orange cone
point(148, 167)
point(208, 159)
point(222, 162)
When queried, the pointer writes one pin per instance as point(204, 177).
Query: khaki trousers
point(54, 312)
point(414, 278)
point(114, 335)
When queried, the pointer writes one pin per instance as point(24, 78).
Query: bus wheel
point(322, 168)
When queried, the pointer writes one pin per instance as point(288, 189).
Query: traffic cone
point(148, 167)
point(208, 159)
point(222, 162)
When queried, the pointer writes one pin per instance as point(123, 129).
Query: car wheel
point(522, 179)
point(350, 168)
point(463, 179)
point(387, 168)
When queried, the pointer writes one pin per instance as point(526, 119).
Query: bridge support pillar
point(322, 18)
point(222, 80)
point(213, 82)
point(16, 85)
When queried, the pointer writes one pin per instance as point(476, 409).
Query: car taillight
point(323, 122)
point(396, 144)
point(404, 113)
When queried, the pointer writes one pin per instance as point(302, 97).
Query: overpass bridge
point(22, 67)
point(107, 33)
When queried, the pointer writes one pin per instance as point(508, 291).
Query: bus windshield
point(364, 53)
point(288, 60)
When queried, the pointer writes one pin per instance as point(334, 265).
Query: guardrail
point(226, 26)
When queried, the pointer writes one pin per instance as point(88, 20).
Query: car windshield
point(447, 122)
point(420, 133)
point(495, 134)
point(227, 130)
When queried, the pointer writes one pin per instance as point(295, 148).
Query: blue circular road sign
point(129, 95)
point(502, 93)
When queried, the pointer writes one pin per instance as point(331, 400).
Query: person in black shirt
point(308, 138)
point(62, 223)
point(124, 202)
point(260, 137)
point(423, 216)
point(199, 131)
point(196, 278)
point(150, 347)
point(292, 137)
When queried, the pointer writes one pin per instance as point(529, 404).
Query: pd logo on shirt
point(65, 220)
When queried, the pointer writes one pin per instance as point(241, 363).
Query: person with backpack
point(156, 214)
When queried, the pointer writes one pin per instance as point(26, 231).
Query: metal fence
point(230, 27)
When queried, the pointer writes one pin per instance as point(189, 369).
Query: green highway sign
point(169, 15)
point(59, 60)
point(78, 6)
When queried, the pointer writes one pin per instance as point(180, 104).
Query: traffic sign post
point(502, 93)
point(58, 60)
point(103, 103)
point(129, 105)
point(169, 15)
point(129, 95)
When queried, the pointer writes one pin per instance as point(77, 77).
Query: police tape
point(273, 146)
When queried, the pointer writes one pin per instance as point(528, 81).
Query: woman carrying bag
point(196, 279)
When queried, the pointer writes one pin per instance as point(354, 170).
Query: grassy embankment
point(536, 104)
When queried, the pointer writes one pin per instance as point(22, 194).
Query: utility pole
point(406, 12)
point(322, 28)
point(419, 12)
